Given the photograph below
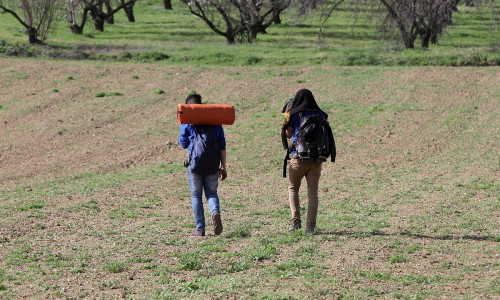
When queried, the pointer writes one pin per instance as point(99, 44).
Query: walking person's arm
point(223, 172)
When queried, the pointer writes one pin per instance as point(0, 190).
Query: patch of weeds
point(158, 92)
point(163, 295)
point(61, 131)
point(239, 265)
point(31, 206)
point(413, 248)
point(55, 91)
point(151, 56)
point(189, 288)
point(370, 291)
point(20, 256)
point(127, 211)
point(264, 251)
point(3, 287)
point(77, 270)
point(70, 78)
point(414, 278)
point(135, 77)
point(295, 265)
point(111, 284)
point(378, 276)
point(239, 232)
point(115, 267)
point(107, 94)
point(191, 261)
point(252, 60)
point(495, 286)
point(292, 237)
point(56, 261)
point(362, 59)
point(3, 107)
point(398, 258)
point(213, 245)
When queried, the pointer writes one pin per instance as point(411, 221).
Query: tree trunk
point(167, 4)
point(75, 29)
point(129, 10)
point(99, 24)
point(33, 36)
point(230, 40)
point(409, 41)
point(109, 9)
point(277, 19)
point(424, 40)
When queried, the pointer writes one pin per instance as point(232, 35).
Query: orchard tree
point(36, 16)
point(77, 13)
point(238, 20)
point(100, 16)
point(426, 19)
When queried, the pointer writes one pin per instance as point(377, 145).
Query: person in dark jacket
point(305, 104)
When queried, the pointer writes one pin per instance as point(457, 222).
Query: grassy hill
point(176, 37)
point(94, 200)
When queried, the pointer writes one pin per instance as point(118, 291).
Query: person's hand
point(222, 174)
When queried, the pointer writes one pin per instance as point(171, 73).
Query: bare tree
point(128, 7)
point(100, 16)
point(405, 20)
point(412, 18)
point(426, 19)
point(77, 13)
point(238, 20)
point(36, 16)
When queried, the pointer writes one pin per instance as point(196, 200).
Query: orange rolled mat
point(205, 114)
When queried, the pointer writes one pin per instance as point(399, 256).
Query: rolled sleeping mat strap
point(206, 114)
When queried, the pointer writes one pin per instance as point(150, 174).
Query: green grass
point(177, 37)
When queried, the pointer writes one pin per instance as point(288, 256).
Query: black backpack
point(205, 151)
point(315, 141)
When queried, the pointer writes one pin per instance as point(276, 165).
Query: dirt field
point(94, 201)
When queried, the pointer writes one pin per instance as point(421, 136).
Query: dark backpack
point(315, 141)
point(205, 151)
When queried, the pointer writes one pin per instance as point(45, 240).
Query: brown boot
point(197, 233)
point(217, 223)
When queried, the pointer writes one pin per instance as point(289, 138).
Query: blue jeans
point(198, 183)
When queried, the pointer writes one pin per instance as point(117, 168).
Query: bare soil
point(416, 177)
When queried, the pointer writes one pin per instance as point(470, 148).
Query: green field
point(473, 39)
point(95, 202)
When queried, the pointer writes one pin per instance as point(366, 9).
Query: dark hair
point(193, 99)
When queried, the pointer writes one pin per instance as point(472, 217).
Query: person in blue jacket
point(201, 181)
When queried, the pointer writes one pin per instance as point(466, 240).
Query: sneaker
point(217, 223)
point(197, 233)
point(295, 227)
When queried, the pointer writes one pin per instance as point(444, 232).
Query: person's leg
point(312, 178)
point(295, 175)
point(196, 185)
point(211, 184)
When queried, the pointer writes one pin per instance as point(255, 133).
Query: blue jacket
point(187, 134)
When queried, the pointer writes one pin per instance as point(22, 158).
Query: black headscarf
point(304, 101)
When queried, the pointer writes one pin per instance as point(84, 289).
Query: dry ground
point(94, 202)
